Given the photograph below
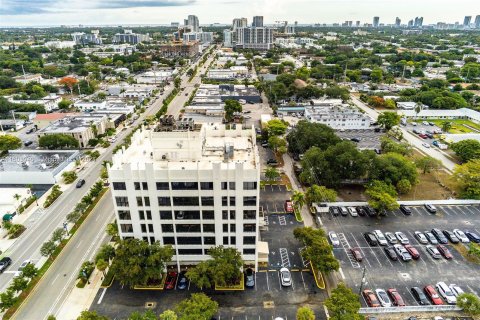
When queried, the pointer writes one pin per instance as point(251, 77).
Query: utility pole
point(363, 280)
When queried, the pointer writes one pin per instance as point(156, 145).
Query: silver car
point(461, 235)
point(402, 237)
point(285, 277)
point(391, 238)
point(333, 239)
point(421, 237)
point(433, 252)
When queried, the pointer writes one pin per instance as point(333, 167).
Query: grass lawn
point(458, 125)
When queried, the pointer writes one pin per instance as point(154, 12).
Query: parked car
point(456, 290)
point(31, 130)
point(288, 206)
point(445, 252)
point(265, 145)
point(430, 208)
point(450, 236)
point(353, 211)
point(402, 237)
point(421, 237)
point(391, 238)
point(343, 211)
point(418, 294)
point(405, 210)
point(355, 139)
point(4, 263)
point(402, 252)
point(439, 235)
point(472, 236)
point(383, 298)
point(431, 238)
point(24, 264)
point(170, 280)
point(391, 253)
point(272, 162)
point(371, 239)
point(380, 238)
point(433, 251)
point(27, 143)
point(370, 211)
point(461, 235)
point(433, 295)
point(335, 211)
point(426, 145)
point(357, 254)
point(249, 278)
point(333, 239)
point(396, 298)
point(80, 183)
point(285, 277)
point(182, 281)
point(413, 252)
point(425, 123)
point(361, 211)
point(370, 298)
point(446, 293)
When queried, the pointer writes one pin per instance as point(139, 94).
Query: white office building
point(338, 117)
point(192, 189)
point(259, 38)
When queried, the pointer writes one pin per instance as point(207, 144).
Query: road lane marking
point(101, 296)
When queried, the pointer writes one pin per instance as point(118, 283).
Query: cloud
point(29, 7)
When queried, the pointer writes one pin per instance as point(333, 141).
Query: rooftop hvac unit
point(43, 166)
point(25, 164)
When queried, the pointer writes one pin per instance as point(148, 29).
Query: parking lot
point(420, 127)
point(369, 139)
point(381, 272)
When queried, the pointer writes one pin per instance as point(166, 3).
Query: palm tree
point(418, 108)
point(298, 199)
point(446, 126)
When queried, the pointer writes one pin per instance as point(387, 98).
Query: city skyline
point(152, 12)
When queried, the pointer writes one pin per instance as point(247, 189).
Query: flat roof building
point(338, 117)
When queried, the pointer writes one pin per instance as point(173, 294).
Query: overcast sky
point(117, 12)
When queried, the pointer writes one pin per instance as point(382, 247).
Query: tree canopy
point(199, 306)
point(343, 304)
point(306, 135)
point(9, 142)
point(467, 149)
point(317, 249)
point(231, 106)
point(382, 196)
point(468, 177)
point(58, 141)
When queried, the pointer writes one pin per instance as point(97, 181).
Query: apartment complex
point(259, 38)
point(179, 49)
point(193, 188)
point(338, 117)
point(87, 38)
point(129, 37)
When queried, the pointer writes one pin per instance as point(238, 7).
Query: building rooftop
point(34, 161)
point(72, 124)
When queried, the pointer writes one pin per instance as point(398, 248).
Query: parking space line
point(371, 249)
point(268, 285)
point(346, 247)
point(388, 259)
point(417, 210)
point(360, 248)
point(469, 208)
point(282, 221)
point(303, 280)
point(284, 257)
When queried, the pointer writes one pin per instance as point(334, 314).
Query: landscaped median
point(237, 287)
point(158, 286)
point(35, 280)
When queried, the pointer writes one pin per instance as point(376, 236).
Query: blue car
point(472, 236)
point(182, 281)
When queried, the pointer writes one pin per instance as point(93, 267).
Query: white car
point(425, 123)
point(285, 277)
point(380, 237)
point(402, 237)
point(353, 211)
point(456, 290)
point(426, 145)
point(333, 239)
point(461, 235)
point(433, 251)
point(23, 265)
point(421, 237)
point(391, 238)
point(402, 252)
point(446, 293)
point(383, 298)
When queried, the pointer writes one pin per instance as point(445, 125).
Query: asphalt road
point(411, 138)
point(87, 239)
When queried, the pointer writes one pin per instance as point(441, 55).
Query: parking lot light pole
point(363, 280)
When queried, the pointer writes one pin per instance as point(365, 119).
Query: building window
point(225, 240)
point(208, 215)
point(208, 228)
point(141, 214)
point(232, 214)
point(208, 240)
point(166, 215)
point(232, 227)
point(145, 186)
point(249, 214)
point(224, 185)
point(225, 227)
point(189, 240)
point(162, 186)
point(143, 227)
point(231, 185)
point(167, 227)
point(250, 185)
point(149, 214)
point(140, 201)
point(250, 201)
point(207, 201)
point(187, 252)
point(168, 240)
point(184, 186)
point(163, 201)
point(249, 228)
point(121, 201)
point(150, 227)
point(136, 185)
point(224, 201)
point(146, 200)
point(233, 240)
point(187, 227)
point(119, 186)
point(248, 240)
point(225, 214)
point(206, 185)
point(248, 251)
point(187, 215)
point(232, 201)
point(185, 201)
point(126, 227)
point(124, 215)
point(145, 214)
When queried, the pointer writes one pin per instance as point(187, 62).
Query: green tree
point(58, 235)
point(48, 248)
point(276, 127)
point(147, 315)
point(470, 303)
point(168, 315)
point(69, 176)
point(7, 299)
point(467, 149)
point(19, 283)
point(305, 313)
point(382, 196)
point(467, 176)
point(271, 173)
point(91, 315)
point(102, 265)
point(428, 163)
point(390, 104)
point(404, 186)
point(231, 106)
point(388, 145)
point(198, 307)
point(29, 271)
point(388, 119)
point(446, 126)
point(320, 194)
point(343, 304)
point(298, 199)
point(275, 142)
point(200, 275)
point(474, 250)
point(64, 104)
point(317, 249)
point(376, 75)
point(306, 135)
point(392, 168)
point(112, 229)
point(51, 317)
point(58, 141)
point(106, 252)
point(9, 142)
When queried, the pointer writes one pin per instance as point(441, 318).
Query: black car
point(405, 210)
point(370, 212)
point(451, 236)
point(390, 252)
point(273, 162)
point(439, 235)
point(335, 211)
point(4, 263)
point(27, 143)
point(472, 236)
point(182, 281)
point(355, 140)
point(419, 296)
point(80, 183)
point(361, 212)
point(371, 239)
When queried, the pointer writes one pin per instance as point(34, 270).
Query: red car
point(433, 295)
point(396, 298)
point(413, 252)
point(445, 252)
point(423, 136)
point(371, 298)
point(356, 254)
point(170, 281)
point(288, 206)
